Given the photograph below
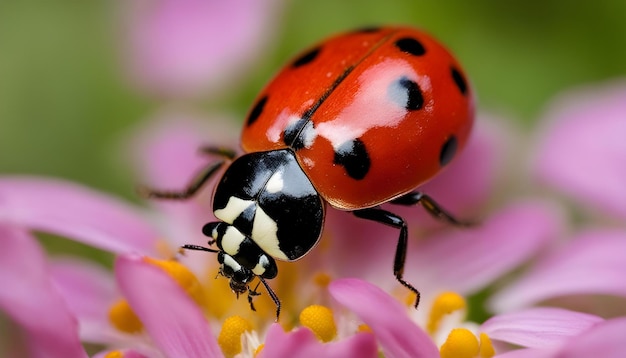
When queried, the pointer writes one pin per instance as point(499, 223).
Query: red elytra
point(394, 92)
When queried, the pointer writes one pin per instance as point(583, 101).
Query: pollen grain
point(229, 338)
point(319, 319)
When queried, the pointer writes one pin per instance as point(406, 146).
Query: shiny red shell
point(394, 92)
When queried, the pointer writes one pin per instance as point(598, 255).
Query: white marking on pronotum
point(230, 262)
point(233, 209)
point(276, 183)
point(264, 231)
point(231, 241)
point(263, 263)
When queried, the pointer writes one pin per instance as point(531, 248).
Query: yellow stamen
point(258, 349)
point(221, 297)
point(114, 354)
point(364, 328)
point(486, 347)
point(410, 299)
point(229, 338)
point(185, 278)
point(319, 319)
point(444, 304)
point(123, 318)
point(461, 343)
point(322, 279)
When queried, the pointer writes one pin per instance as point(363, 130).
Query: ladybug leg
point(199, 180)
point(272, 295)
point(431, 206)
point(252, 293)
point(227, 153)
point(393, 220)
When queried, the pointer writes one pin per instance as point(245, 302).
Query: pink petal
point(582, 148)
point(303, 343)
point(175, 323)
point(186, 46)
point(592, 263)
point(467, 259)
point(529, 353)
point(29, 298)
point(397, 334)
point(126, 353)
point(538, 327)
point(606, 340)
point(76, 212)
point(89, 291)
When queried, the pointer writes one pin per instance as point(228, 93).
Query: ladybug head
point(239, 276)
point(240, 258)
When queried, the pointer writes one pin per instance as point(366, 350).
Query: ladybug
point(358, 120)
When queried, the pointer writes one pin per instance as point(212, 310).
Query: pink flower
point(29, 298)
point(72, 211)
point(188, 47)
point(156, 306)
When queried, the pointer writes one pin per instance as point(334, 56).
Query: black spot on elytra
point(459, 80)
point(411, 46)
point(256, 110)
point(448, 150)
point(354, 158)
point(406, 93)
point(307, 57)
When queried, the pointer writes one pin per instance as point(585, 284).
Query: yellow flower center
point(114, 354)
point(445, 304)
point(183, 276)
point(462, 343)
point(364, 328)
point(258, 349)
point(322, 279)
point(123, 318)
point(486, 347)
point(410, 298)
point(229, 338)
point(121, 314)
point(319, 319)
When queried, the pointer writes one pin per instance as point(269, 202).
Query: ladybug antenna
point(198, 248)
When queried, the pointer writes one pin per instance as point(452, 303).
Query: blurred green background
point(64, 102)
